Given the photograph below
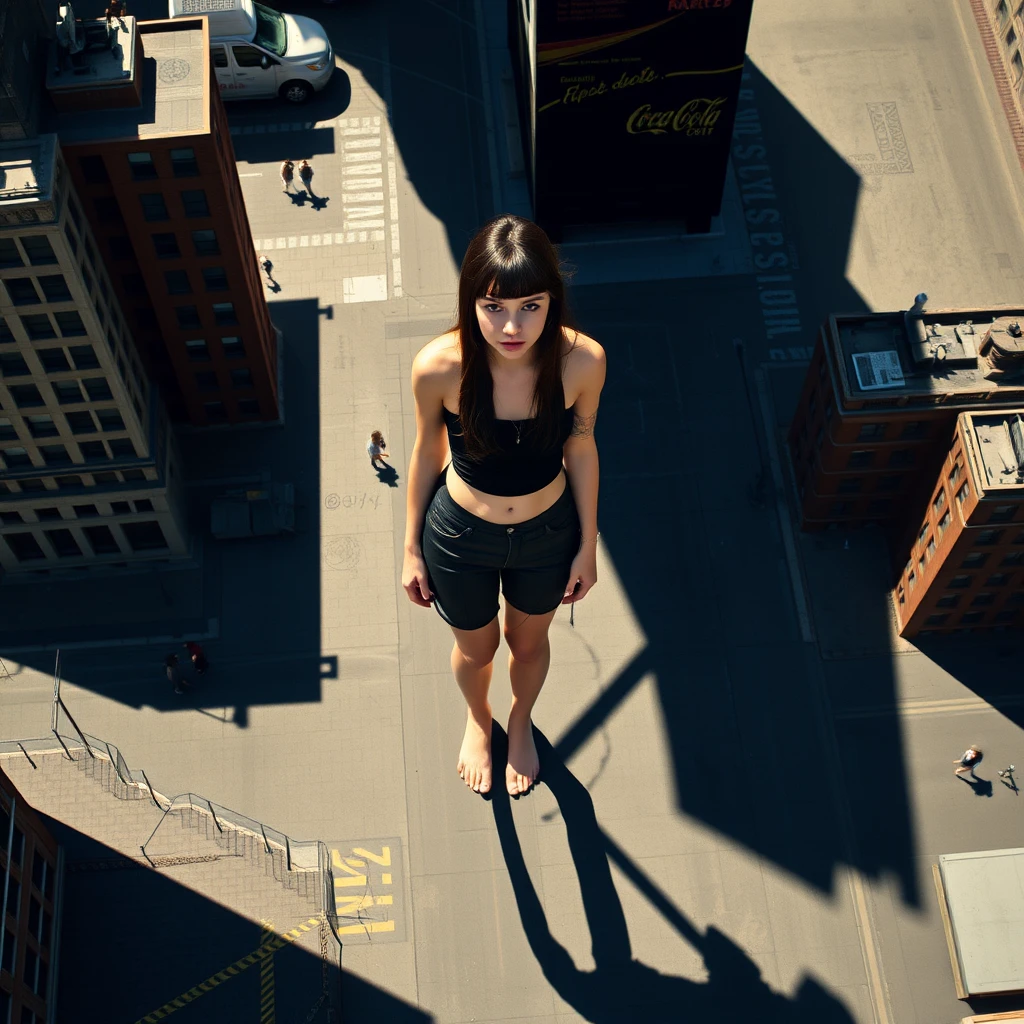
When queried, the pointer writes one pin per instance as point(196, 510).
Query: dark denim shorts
point(468, 558)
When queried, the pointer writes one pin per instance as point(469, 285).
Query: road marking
point(304, 240)
point(368, 288)
point(362, 169)
point(396, 242)
point(268, 1007)
point(363, 910)
point(252, 174)
point(242, 964)
point(362, 144)
point(364, 183)
point(362, 197)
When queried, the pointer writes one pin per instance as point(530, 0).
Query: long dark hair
point(509, 258)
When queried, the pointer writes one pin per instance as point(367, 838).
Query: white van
point(258, 51)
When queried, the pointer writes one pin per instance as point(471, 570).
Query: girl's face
point(511, 327)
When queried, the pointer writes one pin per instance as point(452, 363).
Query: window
point(122, 447)
point(93, 451)
point(985, 538)
point(97, 389)
point(143, 505)
point(110, 419)
point(145, 536)
point(940, 500)
point(12, 365)
point(67, 391)
point(943, 523)
point(195, 204)
point(72, 240)
point(55, 288)
point(205, 243)
point(220, 58)
point(248, 407)
point(38, 326)
point(84, 357)
point(970, 618)
point(121, 247)
point(1006, 616)
point(93, 169)
point(956, 473)
point(101, 540)
point(6, 335)
point(197, 350)
point(11, 518)
point(948, 601)
point(105, 478)
point(901, 457)
point(80, 422)
point(961, 495)
point(55, 455)
point(914, 430)
point(153, 206)
point(860, 460)
point(165, 243)
point(177, 282)
point(1002, 513)
point(9, 255)
point(224, 314)
point(86, 511)
point(247, 56)
point(936, 620)
point(21, 290)
point(1002, 10)
point(871, 432)
point(1011, 37)
point(241, 379)
point(233, 347)
point(7, 430)
point(960, 582)
point(215, 279)
point(188, 317)
point(207, 381)
point(63, 543)
point(982, 600)
point(183, 163)
point(1000, 579)
point(38, 250)
point(45, 515)
point(42, 873)
point(1016, 598)
point(1018, 65)
point(69, 324)
point(32, 486)
point(215, 411)
point(851, 485)
point(26, 396)
point(931, 546)
point(16, 458)
point(107, 210)
point(25, 548)
point(42, 426)
point(142, 166)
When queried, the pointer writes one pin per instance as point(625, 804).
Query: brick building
point(878, 406)
point(88, 464)
point(966, 565)
point(31, 866)
point(160, 188)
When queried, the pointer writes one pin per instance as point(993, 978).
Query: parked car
point(259, 52)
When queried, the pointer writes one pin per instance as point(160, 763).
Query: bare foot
point(475, 756)
point(523, 763)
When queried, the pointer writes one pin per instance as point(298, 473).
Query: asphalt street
point(746, 779)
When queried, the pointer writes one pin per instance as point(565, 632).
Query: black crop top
point(519, 467)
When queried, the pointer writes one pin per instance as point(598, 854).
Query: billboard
point(628, 105)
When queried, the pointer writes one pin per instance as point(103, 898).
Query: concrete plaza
point(746, 778)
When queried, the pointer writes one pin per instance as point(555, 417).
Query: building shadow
point(620, 987)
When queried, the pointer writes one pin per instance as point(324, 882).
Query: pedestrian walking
point(116, 9)
point(287, 173)
point(306, 174)
point(174, 676)
point(265, 264)
point(375, 448)
point(198, 656)
point(967, 760)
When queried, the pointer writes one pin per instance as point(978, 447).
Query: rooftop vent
point(1003, 348)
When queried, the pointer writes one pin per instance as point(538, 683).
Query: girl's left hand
point(582, 572)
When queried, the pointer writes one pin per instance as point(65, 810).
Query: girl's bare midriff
point(495, 509)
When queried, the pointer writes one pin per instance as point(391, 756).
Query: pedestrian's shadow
point(981, 787)
point(621, 988)
point(298, 197)
point(387, 475)
point(318, 202)
point(272, 285)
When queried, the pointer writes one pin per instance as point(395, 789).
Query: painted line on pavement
point(918, 707)
point(252, 174)
point(268, 1003)
point(242, 964)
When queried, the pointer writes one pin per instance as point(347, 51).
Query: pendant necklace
point(518, 435)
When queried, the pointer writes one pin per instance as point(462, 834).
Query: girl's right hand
point(414, 580)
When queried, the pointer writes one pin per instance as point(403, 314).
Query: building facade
point(88, 465)
point(160, 188)
point(25, 28)
point(879, 402)
point(31, 873)
point(966, 565)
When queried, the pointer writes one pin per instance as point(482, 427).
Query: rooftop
point(175, 88)
point(921, 357)
point(27, 171)
point(107, 56)
point(996, 447)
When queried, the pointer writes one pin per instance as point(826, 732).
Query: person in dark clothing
point(174, 676)
point(198, 656)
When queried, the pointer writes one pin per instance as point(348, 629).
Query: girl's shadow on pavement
point(388, 475)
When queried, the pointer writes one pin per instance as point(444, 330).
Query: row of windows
point(183, 164)
point(31, 291)
point(215, 279)
point(199, 352)
point(53, 360)
point(141, 536)
point(1003, 618)
point(72, 482)
point(32, 249)
point(49, 513)
point(879, 507)
point(241, 380)
point(189, 320)
point(16, 457)
point(87, 421)
point(42, 326)
point(165, 245)
point(67, 392)
point(193, 204)
point(216, 412)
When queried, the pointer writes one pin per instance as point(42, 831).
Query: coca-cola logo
point(694, 117)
